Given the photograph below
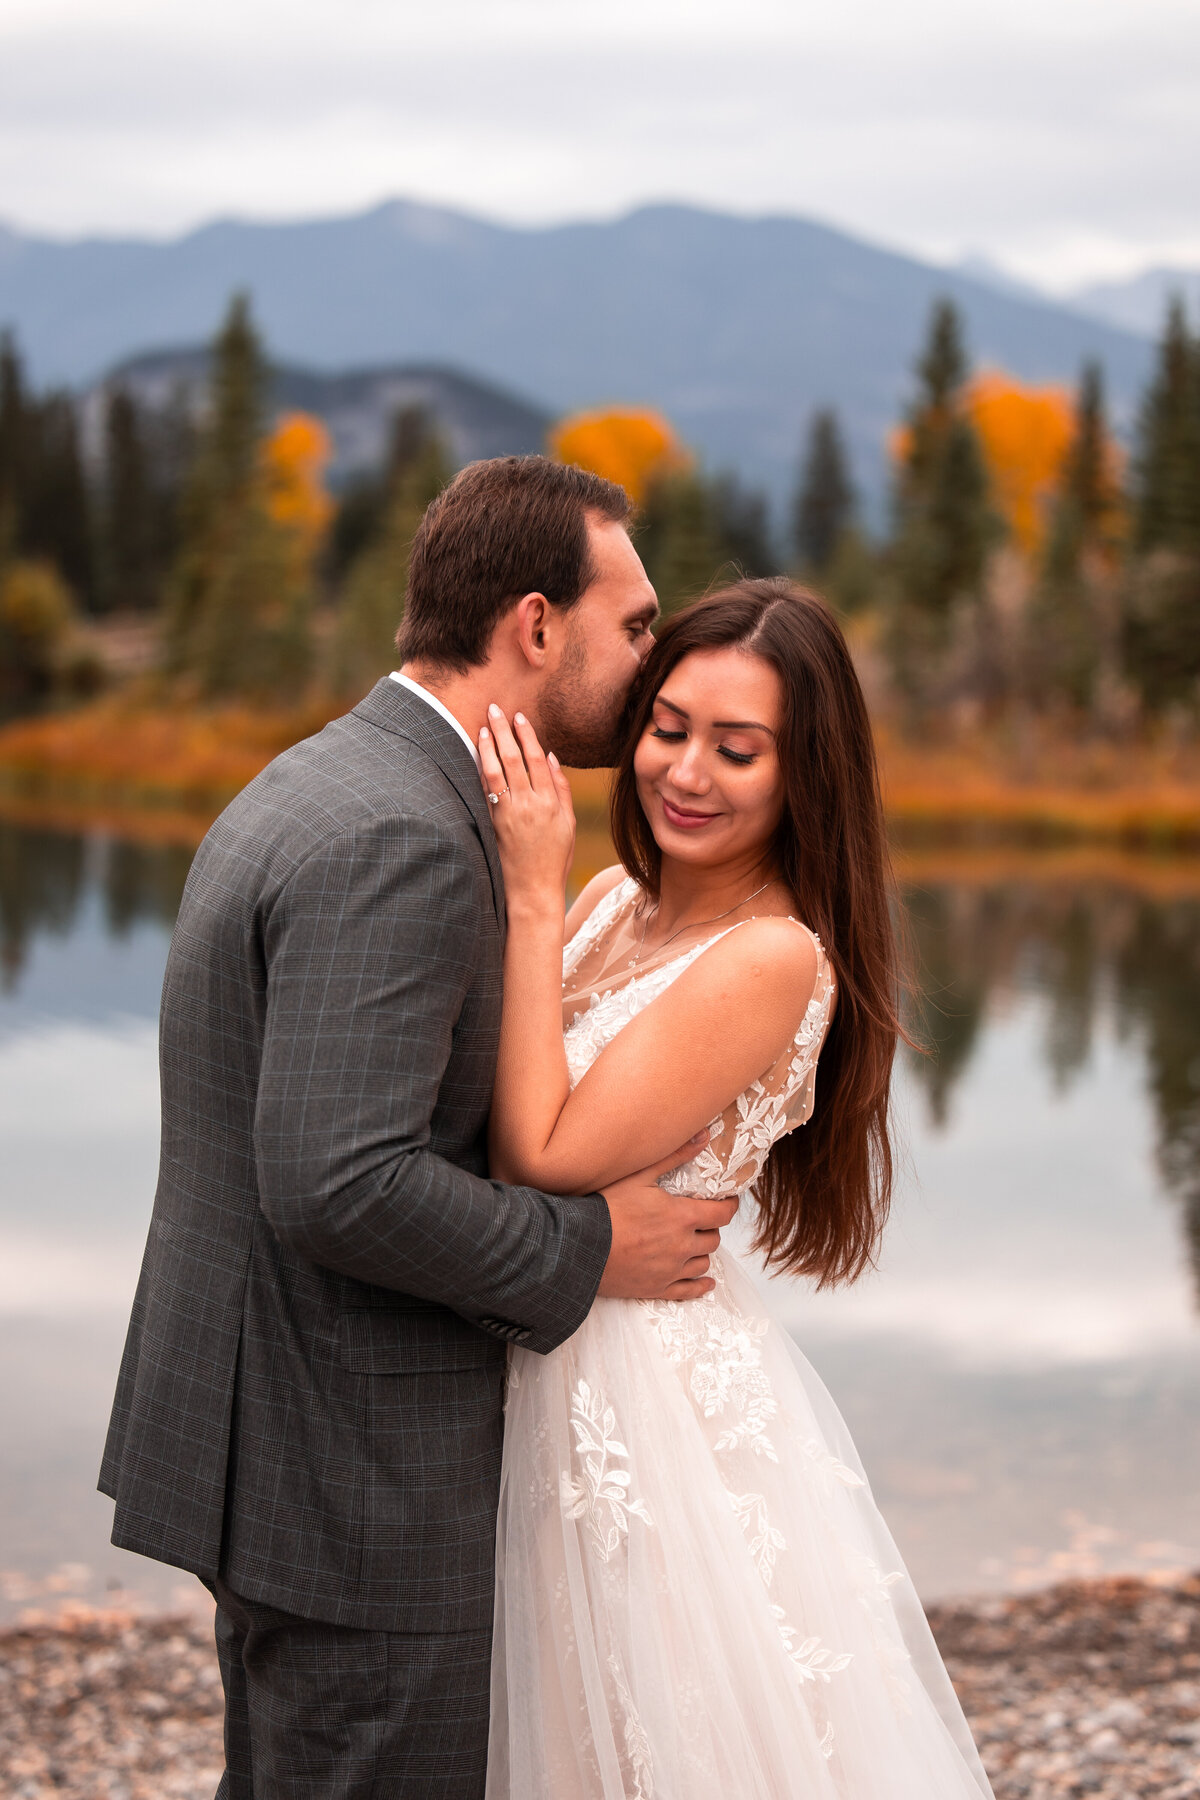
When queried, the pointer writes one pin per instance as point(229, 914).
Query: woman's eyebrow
point(721, 724)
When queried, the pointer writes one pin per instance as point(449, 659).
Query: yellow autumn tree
point(1025, 433)
point(294, 459)
point(636, 449)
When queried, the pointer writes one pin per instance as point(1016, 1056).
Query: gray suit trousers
point(330, 1710)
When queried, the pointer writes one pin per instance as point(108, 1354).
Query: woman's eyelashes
point(676, 737)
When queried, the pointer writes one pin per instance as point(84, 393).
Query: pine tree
point(374, 593)
point(238, 619)
point(824, 503)
point(56, 523)
point(681, 544)
point(45, 512)
point(1088, 487)
point(1167, 475)
point(1071, 628)
point(740, 527)
point(128, 509)
point(14, 431)
point(944, 523)
point(1162, 616)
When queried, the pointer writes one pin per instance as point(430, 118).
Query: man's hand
point(661, 1243)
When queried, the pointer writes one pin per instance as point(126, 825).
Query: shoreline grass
point(139, 764)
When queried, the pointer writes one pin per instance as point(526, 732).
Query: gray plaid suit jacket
point(309, 1402)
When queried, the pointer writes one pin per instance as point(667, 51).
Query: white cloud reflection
point(1035, 1229)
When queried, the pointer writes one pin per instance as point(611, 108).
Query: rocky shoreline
point(1091, 1688)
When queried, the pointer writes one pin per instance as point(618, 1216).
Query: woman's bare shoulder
point(590, 897)
point(770, 960)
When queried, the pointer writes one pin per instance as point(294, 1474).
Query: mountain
point(735, 327)
point(474, 418)
point(976, 266)
point(1140, 303)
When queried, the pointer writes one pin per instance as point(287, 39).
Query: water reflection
point(1082, 950)
point(47, 878)
point(976, 946)
point(1026, 1359)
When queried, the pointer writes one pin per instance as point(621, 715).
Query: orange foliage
point(294, 459)
point(1025, 433)
point(122, 750)
point(631, 448)
point(181, 765)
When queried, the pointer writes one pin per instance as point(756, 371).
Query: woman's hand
point(533, 816)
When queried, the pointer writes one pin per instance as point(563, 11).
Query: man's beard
point(580, 722)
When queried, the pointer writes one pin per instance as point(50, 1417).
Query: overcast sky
point(1059, 137)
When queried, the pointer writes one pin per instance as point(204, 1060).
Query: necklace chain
point(637, 955)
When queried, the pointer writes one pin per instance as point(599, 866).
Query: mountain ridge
point(735, 327)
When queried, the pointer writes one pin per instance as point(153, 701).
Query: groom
point(308, 1412)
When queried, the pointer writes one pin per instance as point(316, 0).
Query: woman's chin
point(684, 845)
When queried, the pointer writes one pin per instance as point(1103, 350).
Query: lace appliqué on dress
point(637, 1741)
point(601, 1496)
point(725, 1353)
point(764, 1539)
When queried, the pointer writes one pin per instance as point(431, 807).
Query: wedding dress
point(696, 1597)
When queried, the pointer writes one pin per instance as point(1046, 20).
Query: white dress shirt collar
point(422, 693)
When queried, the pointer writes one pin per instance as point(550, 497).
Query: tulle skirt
point(696, 1598)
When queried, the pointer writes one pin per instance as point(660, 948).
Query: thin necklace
point(695, 926)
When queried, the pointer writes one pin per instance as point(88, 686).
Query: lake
point(1021, 1373)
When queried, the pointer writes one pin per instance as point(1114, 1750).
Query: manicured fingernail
point(552, 759)
point(494, 710)
point(484, 732)
point(520, 718)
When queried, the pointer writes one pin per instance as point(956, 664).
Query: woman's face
point(707, 766)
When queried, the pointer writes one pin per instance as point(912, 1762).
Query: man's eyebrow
point(721, 724)
point(649, 612)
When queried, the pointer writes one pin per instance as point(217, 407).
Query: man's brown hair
point(511, 526)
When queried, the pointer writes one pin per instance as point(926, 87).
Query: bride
point(696, 1598)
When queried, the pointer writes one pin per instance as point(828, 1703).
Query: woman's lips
point(685, 821)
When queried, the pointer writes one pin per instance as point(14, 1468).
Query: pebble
point(1091, 1688)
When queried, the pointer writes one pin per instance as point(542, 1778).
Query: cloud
point(1060, 137)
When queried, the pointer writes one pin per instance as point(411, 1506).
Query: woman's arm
point(665, 1075)
point(674, 1067)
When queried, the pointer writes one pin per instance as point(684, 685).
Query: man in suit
point(308, 1412)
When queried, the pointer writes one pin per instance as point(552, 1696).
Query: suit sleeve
point(369, 954)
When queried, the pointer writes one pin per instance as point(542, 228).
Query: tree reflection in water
point(47, 877)
point(1084, 947)
point(1078, 946)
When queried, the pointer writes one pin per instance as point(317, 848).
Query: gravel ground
point(1090, 1688)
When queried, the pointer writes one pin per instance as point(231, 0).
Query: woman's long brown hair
point(824, 1194)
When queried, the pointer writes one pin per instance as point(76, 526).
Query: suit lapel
point(398, 709)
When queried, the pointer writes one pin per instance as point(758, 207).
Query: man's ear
point(531, 616)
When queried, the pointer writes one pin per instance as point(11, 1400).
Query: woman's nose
point(689, 772)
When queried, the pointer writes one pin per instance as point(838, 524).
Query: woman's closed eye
point(741, 757)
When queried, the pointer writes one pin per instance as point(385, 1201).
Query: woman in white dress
point(696, 1597)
